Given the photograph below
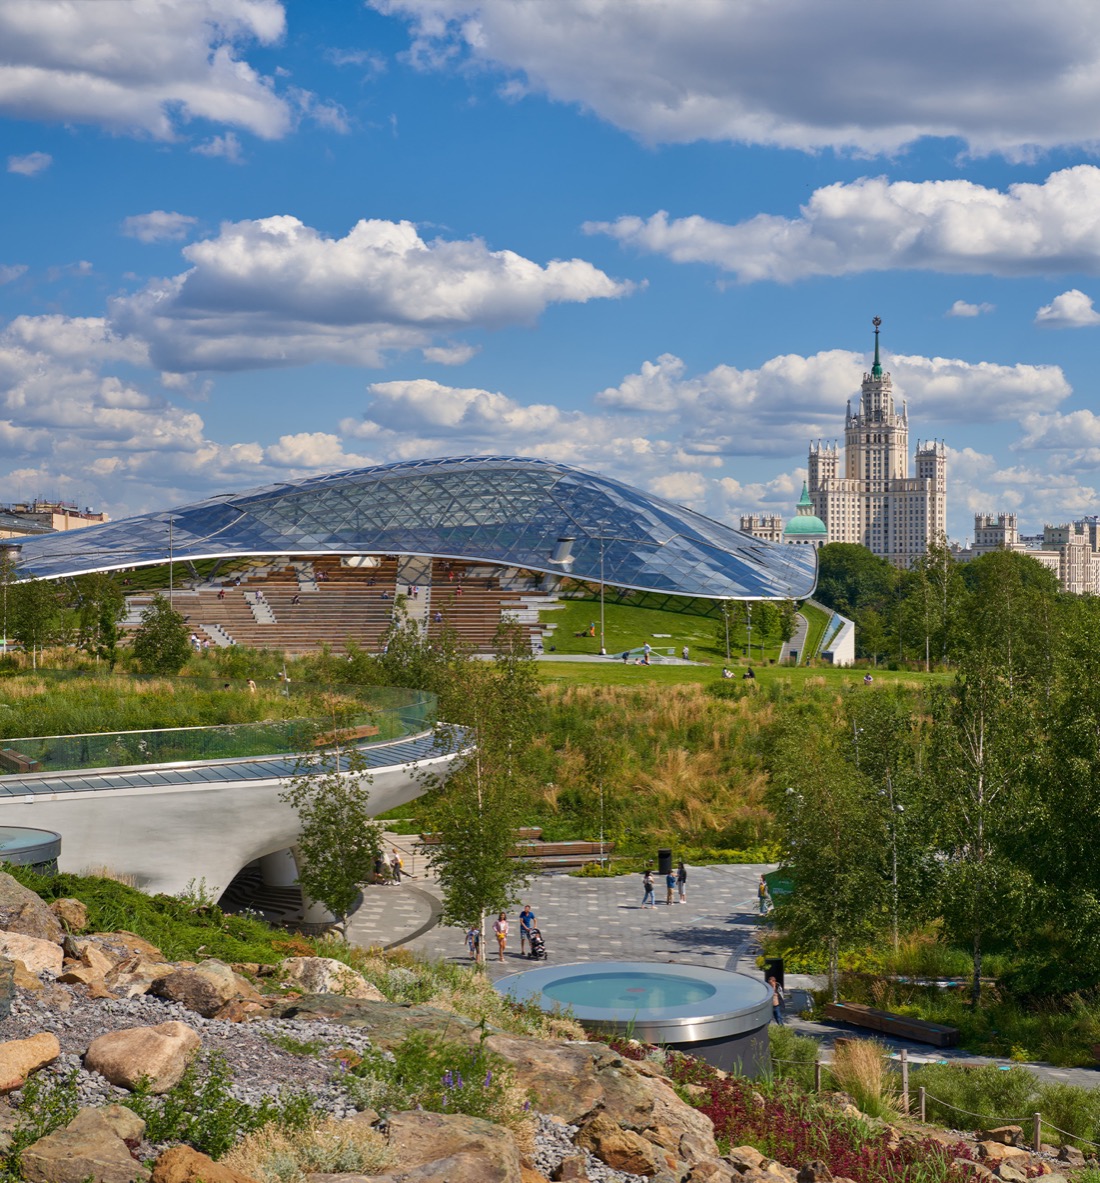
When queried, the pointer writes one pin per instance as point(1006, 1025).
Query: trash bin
point(664, 861)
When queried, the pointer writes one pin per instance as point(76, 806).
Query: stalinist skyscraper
point(876, 502)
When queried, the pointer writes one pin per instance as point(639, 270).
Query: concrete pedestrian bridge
point(173, 805)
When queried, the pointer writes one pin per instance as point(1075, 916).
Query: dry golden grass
point(272, 1155)
point(860, 1069)
point(105, 872)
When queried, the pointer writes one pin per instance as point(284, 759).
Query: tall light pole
point(603, 642)
point(748, 617)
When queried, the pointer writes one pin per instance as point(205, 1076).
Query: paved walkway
point(602, 920)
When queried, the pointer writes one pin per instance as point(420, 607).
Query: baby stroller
point(538, 946)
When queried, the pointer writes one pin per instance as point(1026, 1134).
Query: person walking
point(526, 924)
point(396, 865)
point(682, 881)
point(762, 892)
point(647, 884)
point(473, 941)
point(777, 1001)
point(670, 887)
point(500, 928)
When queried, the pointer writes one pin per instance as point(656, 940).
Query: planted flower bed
point(786, 1123)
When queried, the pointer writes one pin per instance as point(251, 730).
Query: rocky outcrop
point(20, 1057)
point(39, 956)
point(24, 912)
point(325, 975)
point(435, 1146)
point(96, 1144)
point(158, 1055)
point(181, 1164)
point(205, 988)
point(622, 1149)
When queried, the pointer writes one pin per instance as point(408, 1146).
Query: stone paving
point(602, 919)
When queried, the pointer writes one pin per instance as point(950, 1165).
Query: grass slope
point(629, 627)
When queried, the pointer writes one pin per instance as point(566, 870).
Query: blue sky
point(246, 240)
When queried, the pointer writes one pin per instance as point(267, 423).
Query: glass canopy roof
point(506, 510)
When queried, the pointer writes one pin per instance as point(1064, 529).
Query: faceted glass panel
point(498, 509)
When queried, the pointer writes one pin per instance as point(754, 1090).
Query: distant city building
point(805, 528)
point(876, 502)
point(45, 517)
point(768, 527)
point(1070, 550)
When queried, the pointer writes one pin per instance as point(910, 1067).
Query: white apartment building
point(874, 501)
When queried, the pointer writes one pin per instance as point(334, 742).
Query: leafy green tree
point(477, 810)
point(100, 605)
point(339, 842)
point(788, 619)
point(981, 738)
point(883, 732)
point(832, 838)
point(34, 614)
point(162, 642)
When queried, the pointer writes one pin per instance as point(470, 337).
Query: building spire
point(876, 369)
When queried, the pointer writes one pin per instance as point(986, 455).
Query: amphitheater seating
point(336, 604)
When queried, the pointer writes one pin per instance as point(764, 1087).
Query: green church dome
point(805, 523)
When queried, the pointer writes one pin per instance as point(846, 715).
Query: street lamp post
point(603, 642)
point(748, 615)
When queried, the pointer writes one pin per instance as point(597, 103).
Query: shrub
point(440, 1075)
point(1071, 1115)
point(975, 1096)
point(793, 1056)
point(201, 1111)
point(276, 1155)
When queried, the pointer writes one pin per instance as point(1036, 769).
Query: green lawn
point(616, 674)
point(818, 621)
point(629, 627)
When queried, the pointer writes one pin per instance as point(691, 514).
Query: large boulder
point(621, 1149)
point(37, 955)
point(460, 1149)
point(205, 988)
point(157, 1054)
point(326, 975)
point(387, 1023)
point(20, 1057)
point(182, 1164)
point(115, 946)
point(72, 914)
point(95, 1145)
point(23, 911)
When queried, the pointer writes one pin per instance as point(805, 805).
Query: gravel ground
point(259, 1067)
point(554, 1141)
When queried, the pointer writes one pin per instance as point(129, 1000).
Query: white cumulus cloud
point(277, 292)
point(962, 308)
point(158, 226)
point(1070, 310)
point(873, 224)
point(1005, 77)
point(145, 67)
point(31, 164)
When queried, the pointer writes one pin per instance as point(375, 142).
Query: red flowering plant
point(786, 1123)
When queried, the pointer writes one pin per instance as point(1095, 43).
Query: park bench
point(13, 761)
point(900, 1026)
